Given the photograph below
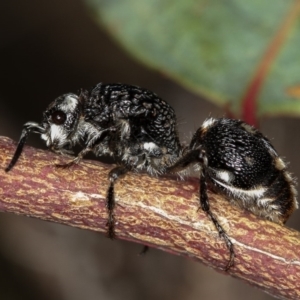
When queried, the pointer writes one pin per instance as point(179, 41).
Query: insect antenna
point(27, 128)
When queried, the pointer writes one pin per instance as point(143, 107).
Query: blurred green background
point(214, 47)
point(52, 47)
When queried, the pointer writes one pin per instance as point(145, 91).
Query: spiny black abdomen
point(230, 146)
point(242, 164)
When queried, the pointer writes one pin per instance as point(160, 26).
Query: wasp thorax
point(60, 121)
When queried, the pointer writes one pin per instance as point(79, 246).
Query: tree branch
point(159, 212)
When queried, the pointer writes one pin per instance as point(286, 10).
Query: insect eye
point(58, 117)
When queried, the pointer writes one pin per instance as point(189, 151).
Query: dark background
point(50, 47)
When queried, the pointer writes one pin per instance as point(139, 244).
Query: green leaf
point(215, 48)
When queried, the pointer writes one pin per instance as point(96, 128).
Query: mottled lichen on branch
point(159, 212)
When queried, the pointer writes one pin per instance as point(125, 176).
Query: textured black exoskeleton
point(128, 123)
point(237, 161)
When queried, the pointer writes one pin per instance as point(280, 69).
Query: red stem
point(249, 102)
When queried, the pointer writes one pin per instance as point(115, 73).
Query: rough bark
point(159, 212)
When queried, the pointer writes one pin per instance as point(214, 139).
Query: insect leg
point(205, 207)
point(76, 160)
point(189, 158)
point(89, 148)
point(144, 250)
point(27, 128)
point(114, 175)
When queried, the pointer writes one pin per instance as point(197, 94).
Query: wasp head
point(58, 128)
point(60, 121)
